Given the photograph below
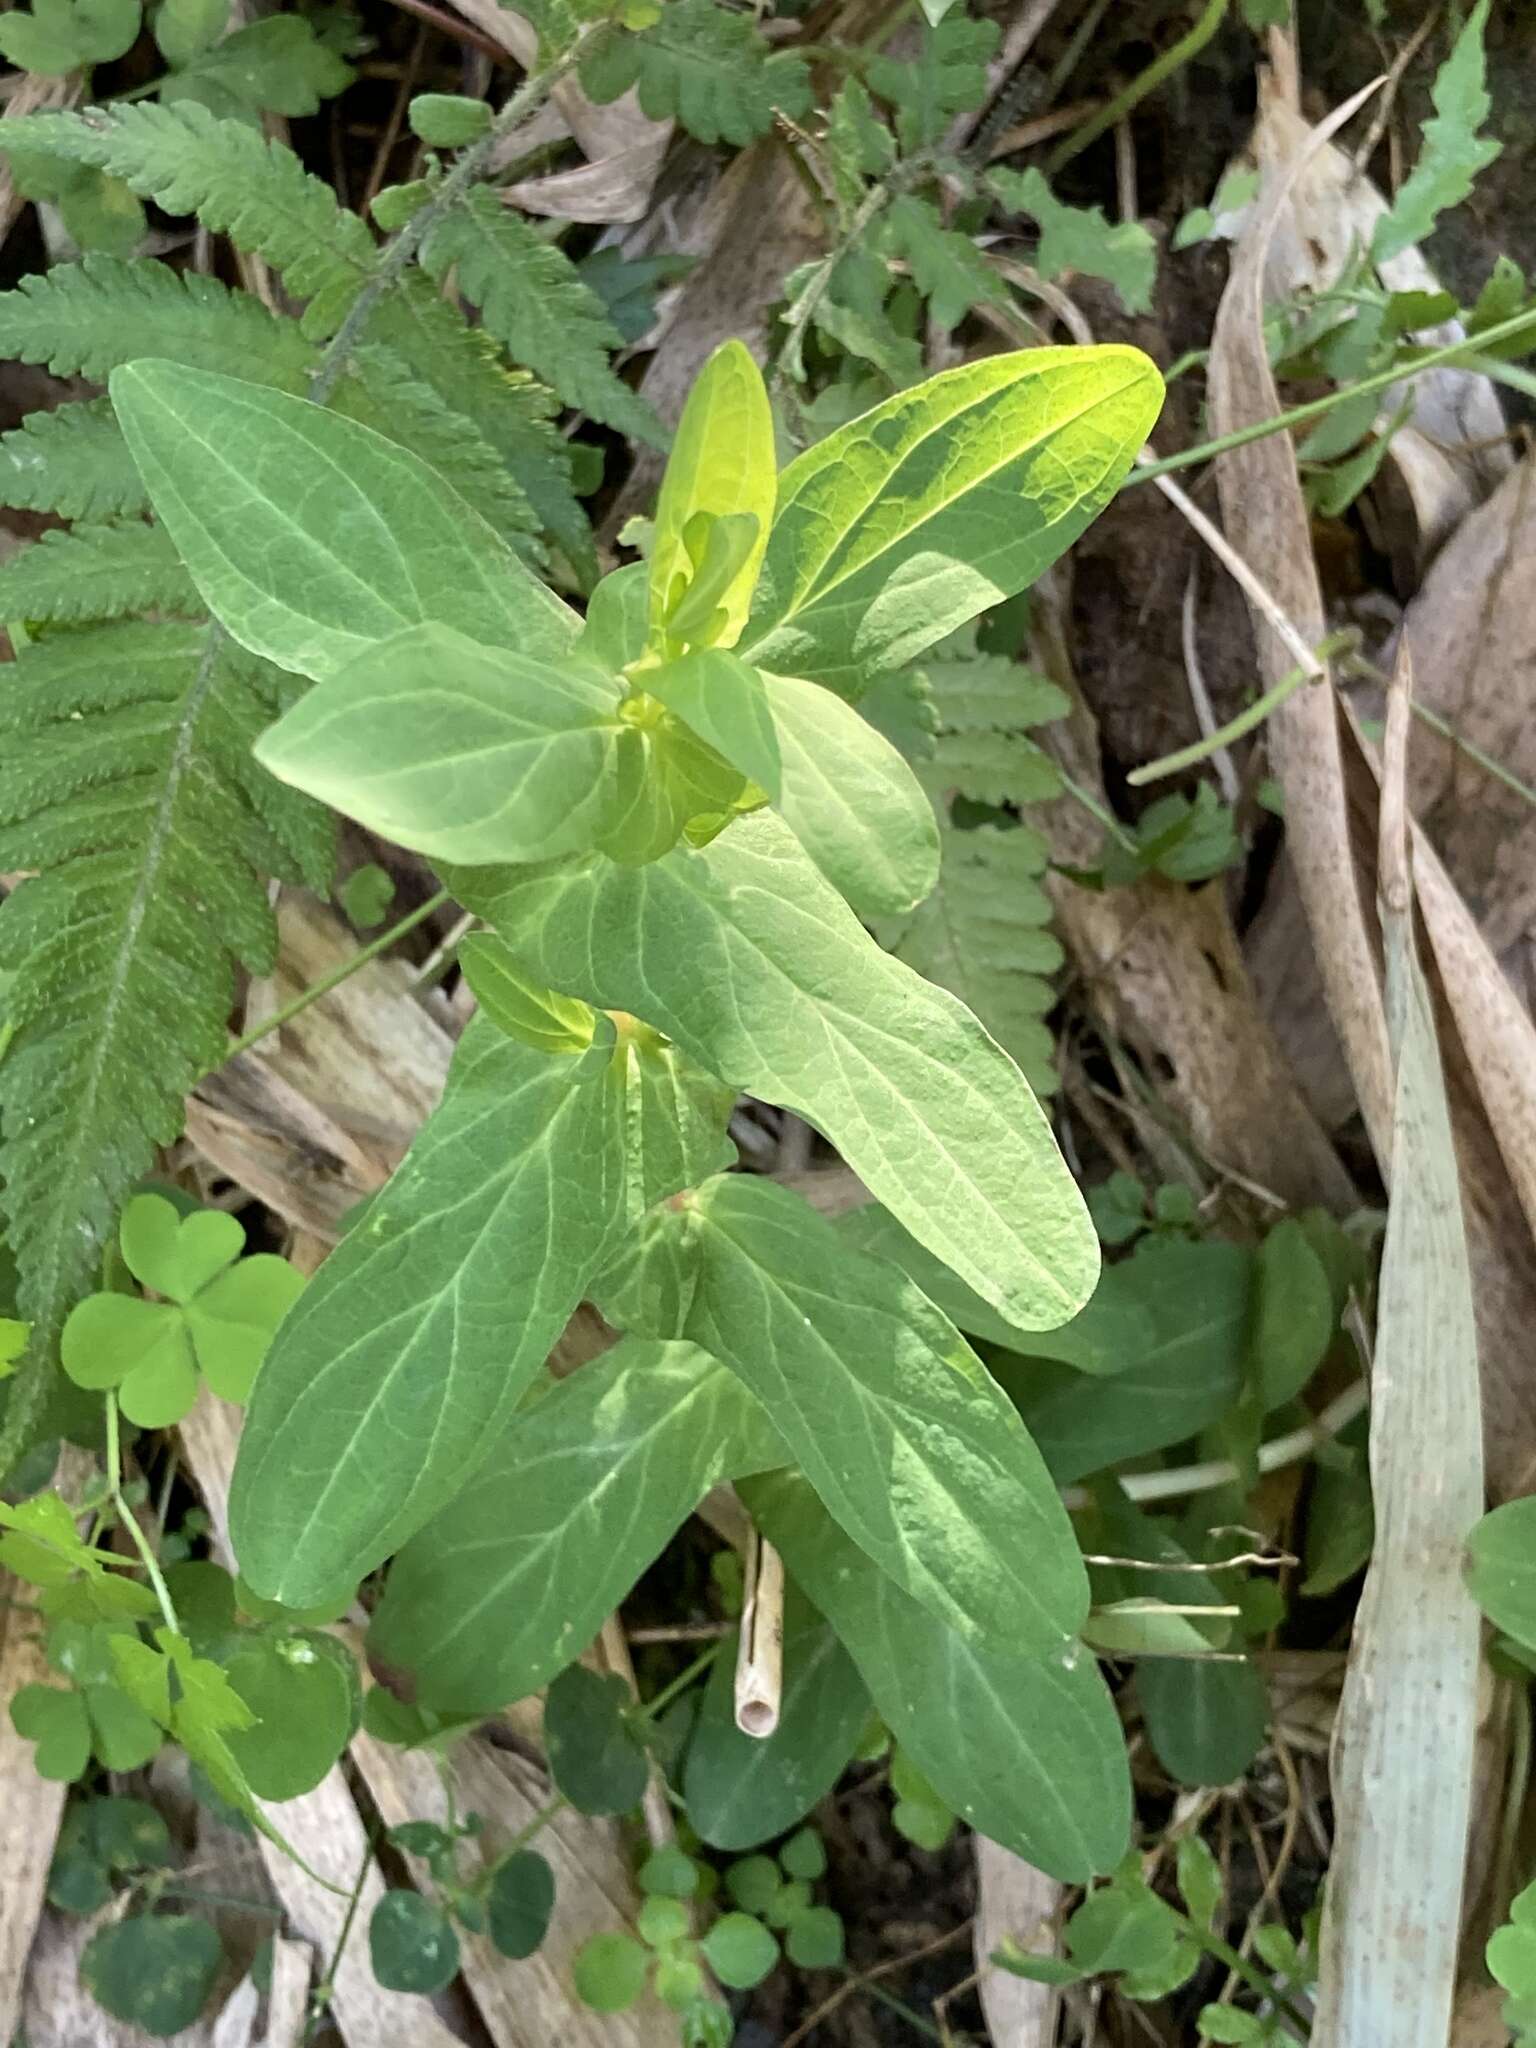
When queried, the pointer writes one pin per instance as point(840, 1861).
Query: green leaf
point(411, 1943)
point(183, 28)
point(519, 1902)
point(96, 572)
point(893, 1419)
point(1198, 1296)
point(69, 35)
point(258, 488)
point(177, 1255)
point(727, 704)
point(302, 1688)
point(756, 969)
point(153, 1971)
point(122, 1734)
point(662, 1921)
point(55, 1718)
point(1501, 1568)
point(702, 66)
point(577, 1497)
point(142, 1347)
point(72, 461)
point(1121, 1928)
point(278, 65)
point(1206, 1721)
point(754, 1883)
point(593, 1758)
point(461, 751)
point(1028, 1751)
point(1453, 152)
point(852, 801)
point(535, 1016)
point(1294, 1317)
point(533, 300)
point(741, 1790)
point(1078, 238)
point(947, 267)
point(919, 1813)
point(447, 120)
point(1201, 1883)
point(740, 1950)
point(903, 525)
point(947, 77)
point(722, 463)
point(609, 1971)
point(399, 1365)
point(668, 1872)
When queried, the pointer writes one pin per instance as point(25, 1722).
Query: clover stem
point(130, 1520)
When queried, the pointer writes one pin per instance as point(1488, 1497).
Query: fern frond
point(84, 319)
point(534, 302)
point(983, 933)
point(97, 572)
point(382, 393)
point(134, 796)
point(514, 412)
point(985, 707)
point(73, 461)
point(234, 180)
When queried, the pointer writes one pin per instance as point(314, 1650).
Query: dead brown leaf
point(1330, 835)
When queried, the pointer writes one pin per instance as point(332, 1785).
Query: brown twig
point(858, 1981)
point(454, 26)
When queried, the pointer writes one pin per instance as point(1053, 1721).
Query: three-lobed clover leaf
point(216, 1319)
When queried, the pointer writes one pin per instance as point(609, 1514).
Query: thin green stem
point(1245, 721)
point(401, 251)
point(130, 1521)
point(1258, 1981)
point(1189, 45)
point(336, 977)
point(1315, 409)
point(649, 1709)
point(897, 2005)
point(1472, 751)
point(325, 1989)
point(533, 1828)
point(1125, 840)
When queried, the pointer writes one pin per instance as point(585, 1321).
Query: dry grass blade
point(1404, 1742)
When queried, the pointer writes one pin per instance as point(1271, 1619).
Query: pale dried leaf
point(1402, 1773)
point(32, 1807)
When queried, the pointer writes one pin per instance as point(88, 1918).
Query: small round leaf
point(662, 1920)
point(154, 1971)
point(610, 1972)
point(671, 1872)
point(412, 1943)
point(679, 1981)
point(593, 1758)
point(753, 1882)
point(519, 1901)
point(741, 1951)
point(814, 1939)
point(804, 1855)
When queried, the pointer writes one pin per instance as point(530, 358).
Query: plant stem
point(324, 1990)
point(1258, 1981)
point(399, 252)
point(1245, 721)
point(336, 977)
point(1299, 415)
point(130, 1520)
point(538, 1824)
point(1472, 751)
point(649, 1709)
point(1188, 45)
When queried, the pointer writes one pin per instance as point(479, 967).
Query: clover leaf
point(216, 1317)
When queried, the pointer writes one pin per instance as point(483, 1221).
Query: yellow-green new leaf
point(852, 801)
point(460, 751)
point(537, 1016)
point(893, 1418)
point(907, 522)
point(411, 1346)
point(580, 1494)
point(1027, 1750)
point(312, 538)
point(722, 462)
point(749, 960)
point(726, 703)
